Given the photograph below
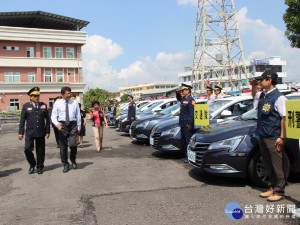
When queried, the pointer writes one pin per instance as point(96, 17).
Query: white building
point(255, 67)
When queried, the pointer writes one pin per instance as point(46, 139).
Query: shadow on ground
point(6, 173)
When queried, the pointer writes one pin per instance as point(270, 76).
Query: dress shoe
point(267, 194)
point(74, 165)
point(66, 168)
point(39, 170)
point(275, 198)
point(31, 170)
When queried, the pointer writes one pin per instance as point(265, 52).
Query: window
point(16, 48)
point(70, 53)
point(59, 77)
point(30, 52)
point(12, 76)
point(70, 73)
point(59, 53)
point(47, 52)
point(48, 76)
point(14, 102)
point(30, 76)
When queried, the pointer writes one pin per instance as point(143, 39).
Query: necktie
point(67, 114)
point(36, 105)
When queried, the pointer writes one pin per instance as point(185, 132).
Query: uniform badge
point(266, 107)
point(29, 109)
point(185, 102)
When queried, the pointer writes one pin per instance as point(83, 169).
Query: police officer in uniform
point(186, 117)
point(36, 115)
point(209, 92)
point(271, 114)
point(131, 109)
point(217, 93)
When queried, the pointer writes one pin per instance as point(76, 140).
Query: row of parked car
point(227, 147)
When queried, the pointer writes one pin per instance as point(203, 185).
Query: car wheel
point(257, 171)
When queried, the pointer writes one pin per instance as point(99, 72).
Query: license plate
point(130, 131)
point(191, 156)
point(151, 141)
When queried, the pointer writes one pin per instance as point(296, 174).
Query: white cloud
point(99, 73)
point(267, 40)
point(186, 2)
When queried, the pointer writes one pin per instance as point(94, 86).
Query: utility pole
point(218, 53)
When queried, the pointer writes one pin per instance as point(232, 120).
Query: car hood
point(225, 130)
point(168, 124)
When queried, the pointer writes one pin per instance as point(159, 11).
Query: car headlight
point(192, 141)
point(173, 131)
point(144, 124)
point(228, 144)
point(124, 120)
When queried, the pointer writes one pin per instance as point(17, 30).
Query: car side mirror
point(226, 113)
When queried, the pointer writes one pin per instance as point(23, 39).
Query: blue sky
point(137, 41)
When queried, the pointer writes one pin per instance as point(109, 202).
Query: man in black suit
point(36, 115)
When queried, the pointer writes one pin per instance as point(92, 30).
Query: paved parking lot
point(124, 184)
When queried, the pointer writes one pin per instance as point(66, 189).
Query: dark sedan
point(231, 149)
point(141, 129)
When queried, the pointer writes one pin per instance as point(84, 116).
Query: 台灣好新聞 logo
point(233, 211)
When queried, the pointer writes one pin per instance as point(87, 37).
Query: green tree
point(124, 97)
point(292, 20)
point(97, 94)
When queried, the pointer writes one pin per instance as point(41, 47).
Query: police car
point(231, 148)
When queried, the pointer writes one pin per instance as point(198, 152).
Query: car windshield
point(216, 105)
point(153, 106)
point(143, 106)
point(170, 109)
point(250, 115)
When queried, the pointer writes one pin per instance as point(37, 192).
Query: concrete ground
point(126, 183)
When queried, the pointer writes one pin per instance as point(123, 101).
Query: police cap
point(217, 88)
point(34, 91)
point(209, 88)
point(186, 87)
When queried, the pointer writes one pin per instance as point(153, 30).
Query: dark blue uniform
point(186, 117)
point(37, 126)
point(131, 111)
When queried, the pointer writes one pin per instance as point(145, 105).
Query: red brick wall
point(39, 73)
point(38, 48)
point(23, 98)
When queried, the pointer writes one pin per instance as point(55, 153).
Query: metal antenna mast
point(218, 52)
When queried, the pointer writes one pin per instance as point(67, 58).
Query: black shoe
point(31, 170)
point(39, 170)
point(74, 165)
point(66, 168)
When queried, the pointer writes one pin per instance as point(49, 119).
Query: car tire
point(257, 171)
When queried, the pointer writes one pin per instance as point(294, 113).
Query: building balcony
point(40, 62)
